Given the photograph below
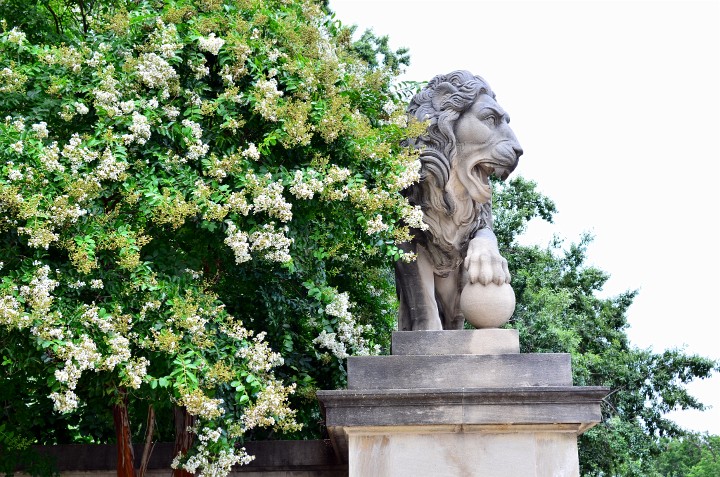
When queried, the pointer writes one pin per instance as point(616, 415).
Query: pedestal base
point(486, 410)
point(488, 451)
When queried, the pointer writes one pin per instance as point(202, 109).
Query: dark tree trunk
point(183, 438)
point(125, 455)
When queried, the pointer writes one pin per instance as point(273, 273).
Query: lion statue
point(468, 140)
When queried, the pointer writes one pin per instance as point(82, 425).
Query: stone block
point(578, 407)
point(450, 342)
point(458, 371)
point(486, 453)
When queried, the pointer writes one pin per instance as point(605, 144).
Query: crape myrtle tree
point(200, 209)
point(558, 311)
point(199, 205)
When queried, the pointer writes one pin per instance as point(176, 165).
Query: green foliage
point(694, 455)
point(200, 205)
point(558, 310)
point(16, 450)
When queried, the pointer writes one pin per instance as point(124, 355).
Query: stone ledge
point(448, 342)
point(529, 409)
point(459, 371)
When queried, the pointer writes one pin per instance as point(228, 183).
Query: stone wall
point(314, 458)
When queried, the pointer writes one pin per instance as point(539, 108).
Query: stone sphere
point(487, 306)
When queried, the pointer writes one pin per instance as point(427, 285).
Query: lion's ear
point(442, 91)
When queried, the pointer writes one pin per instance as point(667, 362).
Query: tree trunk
point(183, 438)
point(125, 455)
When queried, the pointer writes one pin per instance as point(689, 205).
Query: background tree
point(200, 208)
point(188, 189)
point(558, 310)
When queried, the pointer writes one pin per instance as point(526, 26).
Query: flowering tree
point(199, 202)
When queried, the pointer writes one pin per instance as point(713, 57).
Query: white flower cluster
point(336, 174)
point(251, 152)
point(389, 107)
point(410, 175)
point(349, 333)
point(49, 158)
point(205, 463)
point(17, 147)
point(165, 39)
point(38, 293)
point(135, 371)
point(91, 315)
point(11, 81)
point(195, 128)
point(237, 202)
point(10, 314)
point(76, 154)
point(413, 216)
point(198, 404)
point(271, 408)
point(81, 108)
point(109, 168)
point(39, 237)
point(376, 225)
point(61, 211)
point(260, 358)
point(270, 199)
point(65, 402)
point(237, 240)
point(306, 186)
point(211, 44)
point(275, 244)
point(171, 112)
point(266, 105)
point(196, 148)
point(78, 358)
point(140, 129)
point(119, 352)
point(16, 36)
point(154, 72)
point(40, 129)
point(15, 174)
point(107, 95)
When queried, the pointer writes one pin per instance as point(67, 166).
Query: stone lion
point(468, 139)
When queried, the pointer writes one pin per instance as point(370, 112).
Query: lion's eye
point(491, 120)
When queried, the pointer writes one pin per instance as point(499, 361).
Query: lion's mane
point(442, 109)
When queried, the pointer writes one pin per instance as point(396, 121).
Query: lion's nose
point(518, 151)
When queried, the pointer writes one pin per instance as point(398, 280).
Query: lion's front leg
point(483, 261)
point(447, 293)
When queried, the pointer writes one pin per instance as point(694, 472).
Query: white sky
point(617, 106)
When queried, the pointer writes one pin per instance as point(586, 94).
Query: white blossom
point(211, 44)
point(40, 130)
point(16, 36)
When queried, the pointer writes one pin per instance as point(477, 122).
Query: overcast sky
point(617, 107)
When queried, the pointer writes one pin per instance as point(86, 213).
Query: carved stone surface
point(467, 141)
point(459, 371)
point(491, 341)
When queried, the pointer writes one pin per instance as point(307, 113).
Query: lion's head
point(468, 140)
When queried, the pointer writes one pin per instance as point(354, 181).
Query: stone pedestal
point(460, 403)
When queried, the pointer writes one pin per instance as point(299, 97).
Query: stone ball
point(487, 306)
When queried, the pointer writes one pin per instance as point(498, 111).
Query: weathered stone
point(576, 406)
point(495, 431)
point(459, 371)
point(482, 453)
point(467, 141)
point(490, 341)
